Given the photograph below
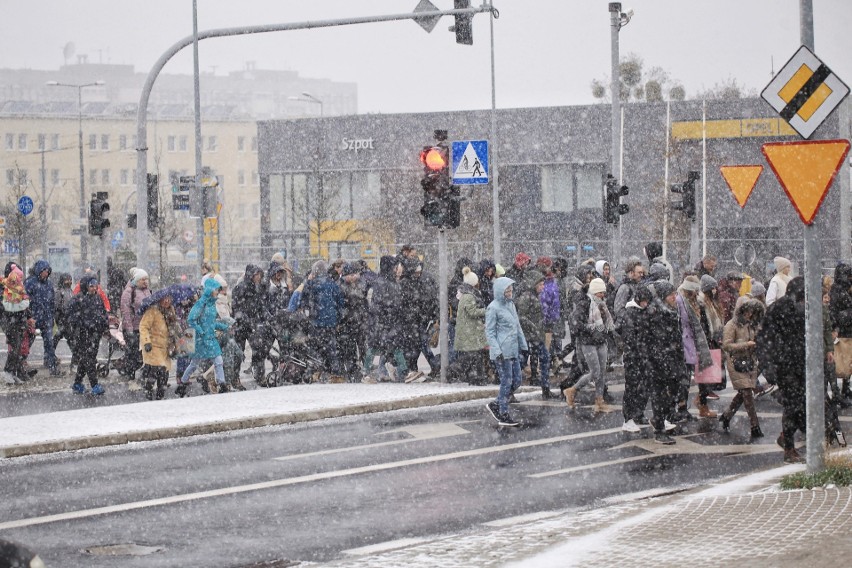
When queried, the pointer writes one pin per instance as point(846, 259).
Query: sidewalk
point(745, 520)
point(173, 418)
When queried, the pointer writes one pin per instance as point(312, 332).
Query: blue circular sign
point(25, 205)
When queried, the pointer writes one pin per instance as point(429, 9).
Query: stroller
point(116, 351)
point(295, 362)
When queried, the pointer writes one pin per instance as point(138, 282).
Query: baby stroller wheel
point(273, 379)
point(102, 370)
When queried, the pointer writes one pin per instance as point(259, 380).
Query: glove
point(500, 357)
point(148, 347)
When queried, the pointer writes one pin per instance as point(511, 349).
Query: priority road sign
point(805, 92)
point(806, 170)
point(469, 164)
point(741, 180)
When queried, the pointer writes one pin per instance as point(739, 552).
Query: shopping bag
point(712, 374)
point(185, 344)
point(843, 357)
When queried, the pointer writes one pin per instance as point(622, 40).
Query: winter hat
point(13, 291)
point(663, 289)
point(499, 270)
point(544, 261)
point(690, 284)
point(642, 294)
point(278, 258)
point(522, 259)
point(658, 272)
point(708, 283)
point(734, 275)
point(757, 289)
point(319, 268)
point(599, 266)
point(349, 269)
point(596, 285)
point(781, 263)
point(220, 280)
point(137, 274)
point(469, 276)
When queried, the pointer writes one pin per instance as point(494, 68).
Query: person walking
point(89, 319)
point(157, 318)
point(232, 355)
point(136, 291)
point(666, 359)
point(325, 302)
point(592, 323)
point(42, 304)
point(204, 320)
point(62, 302)
point(840, 309)
point(470, 331)
point(778, 285)
point(16, 318)
point(384, 335)
point(738, 343)
point(636, 333)
point(531, 307)
point(696, 349)
point(505, 343)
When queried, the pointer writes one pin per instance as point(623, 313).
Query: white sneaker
point(631, 426)
point(412, 376)
point(9, 378)
point(668, 426)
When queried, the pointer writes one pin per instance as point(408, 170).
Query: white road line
point(519, 519)
point(84, 513)
point(589, 466)
point(384, 546)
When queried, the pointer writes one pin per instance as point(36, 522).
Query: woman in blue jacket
point(505, 343)
point(203, 318)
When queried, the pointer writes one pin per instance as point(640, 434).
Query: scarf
point(702, 348)
point(599, 316)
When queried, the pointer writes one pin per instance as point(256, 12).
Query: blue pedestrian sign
point(470, 162)
point(25, 205)
point(117, 237)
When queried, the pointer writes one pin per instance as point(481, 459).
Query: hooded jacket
point(502, 327)
point(638, 337)
point(88, 313)
point(131, 302)
point(40, 290)
point(470, 320)
point(203, 318)
point(324, 300)
point(781, 339)
point(385, 301)
point(248, 299)
point(738, 332)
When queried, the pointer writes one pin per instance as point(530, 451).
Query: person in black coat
point(89, 320)
point(781, 354)
point(666, 358)
point(353, 322)
point(840, 309)
point(409, 320)
point(385, 300)
point(249, 304)
point(636, 333)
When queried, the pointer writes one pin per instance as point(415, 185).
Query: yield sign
point(806, 171)
point(741, 180)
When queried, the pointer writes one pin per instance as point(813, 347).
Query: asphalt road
point(310, 492)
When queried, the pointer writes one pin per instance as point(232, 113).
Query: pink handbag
point(712, 375)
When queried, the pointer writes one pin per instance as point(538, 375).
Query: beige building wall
point(109, 163)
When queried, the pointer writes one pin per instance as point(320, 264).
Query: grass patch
point(838, 471)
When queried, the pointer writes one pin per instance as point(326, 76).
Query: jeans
point(595, 356)
point(399, 358)
point(544, 363)
point(47, 338)
point(509, 371)
point(218, 369)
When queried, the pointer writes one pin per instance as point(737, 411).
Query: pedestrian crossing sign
point(805, 92)
point(470, 162)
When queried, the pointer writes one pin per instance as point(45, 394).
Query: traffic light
point(98, 209)
point(440, 198)
point(687, 189)
point(464, 23)
point(614, 208)
point(153, 201)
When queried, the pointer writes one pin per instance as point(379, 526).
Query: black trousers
point(793, 415)
point(86, 344)
point(663, 393)
point(155, 375)
point(636, 393)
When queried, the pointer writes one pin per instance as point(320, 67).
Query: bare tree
point(637, 84)
point(27, 230)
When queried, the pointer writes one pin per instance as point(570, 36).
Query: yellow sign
point(741, 180)
point(805, 92)
point(732, 128)
point(806, 171)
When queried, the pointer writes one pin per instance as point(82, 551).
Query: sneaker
point(768, 389)
point(506, 420)
point(10, 379)
point(631, 426)
point(668, 426)
point(664, 439)
point(641, 420)
point(494, 409)
point(413, 376)
point(56, 372)
point(78, 388)
point(712, 396)
point(369, 380)
point(181, 389)
point(98, 390)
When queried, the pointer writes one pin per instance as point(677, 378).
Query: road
point(311, 492)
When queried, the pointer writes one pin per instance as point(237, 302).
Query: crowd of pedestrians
point(540, 320)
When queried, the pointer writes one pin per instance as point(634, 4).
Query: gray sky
point(547, 51)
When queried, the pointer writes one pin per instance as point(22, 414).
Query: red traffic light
point(434, 158)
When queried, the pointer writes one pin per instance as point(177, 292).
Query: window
point(54, 141)
point(182, 143)
point(366, 194)
point(23, 178)
point(42, 142)
point(254, 143)
point(254, 178)
point(10, 141)
point(10, 176)
point(54, 176)
point(122, 142)
point(589, 186)
point(211, 143)
point(241, 143)
point(55, 212)
point(104, 142)
point(22, 141)
point(93, 177)
point(255, 211)
point(93, 141)
point(557, 188)
point(124, 177)
point(241, 209)
point(241, 177)
point(104, 177)
point(171, 144)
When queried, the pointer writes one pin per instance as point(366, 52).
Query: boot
point(792, 456)
point(236, 384)
point(547, 395)
point(756, 432)
point(181, 389)
point(725, 419)
point(259, 375)
point(703, 410)
point(601, 405)
point(570, 393)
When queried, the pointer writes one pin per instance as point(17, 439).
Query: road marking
point(510, 521)
point(85, 513)
point(384, 546)
point(417, 431)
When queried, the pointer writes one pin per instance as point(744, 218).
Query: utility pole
point(199, 227)
point(618, 20)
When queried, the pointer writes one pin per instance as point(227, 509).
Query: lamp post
point(80, 87)
point(309, 98)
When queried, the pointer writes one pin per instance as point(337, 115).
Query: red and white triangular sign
point(806, 170)
point(741, 180)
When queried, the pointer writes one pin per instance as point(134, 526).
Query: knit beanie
point(469, 276)
point(690, 284)
point(757, 289)
point(781, 263)
point(708, 283)
point(137, 274)
point(499, 270)
point(596, 285)
point(220, 280)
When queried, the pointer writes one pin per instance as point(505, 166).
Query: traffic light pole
point(142, 234)
point(444, 304)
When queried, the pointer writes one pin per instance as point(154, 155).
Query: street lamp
point(80, 87)
point(309, 98)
